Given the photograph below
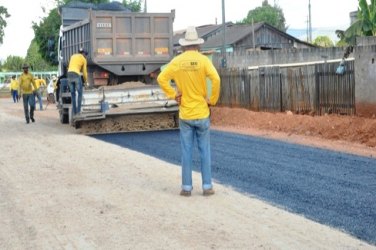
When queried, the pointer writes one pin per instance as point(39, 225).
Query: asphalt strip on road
point(332, 188)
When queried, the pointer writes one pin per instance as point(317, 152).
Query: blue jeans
point(15, 95)
point(28, 100)
point(75, 84)
point(38, 95)
point(189, 131)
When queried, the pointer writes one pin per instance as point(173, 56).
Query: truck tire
point(64, 116)
point(114, 80)
point(149, 80)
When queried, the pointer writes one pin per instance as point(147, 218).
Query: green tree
point(47, 30)
point(13, 63)
point(341, 43)
point(34, 58)
point(323, 41)
point(272, 15)
point(134, 6)
point(62, 2)
point(3, 16)
point(367, 18)
point(46, 36)
point(365, 25)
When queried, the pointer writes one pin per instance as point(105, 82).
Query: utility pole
point(253, 35)
point(224, 60)
point(307, 30)
point(310, 21)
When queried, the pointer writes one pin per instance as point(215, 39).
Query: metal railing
point(44, 74)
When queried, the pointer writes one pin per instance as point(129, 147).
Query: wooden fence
point(314, 88)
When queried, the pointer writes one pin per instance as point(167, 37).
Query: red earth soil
point(355, 129)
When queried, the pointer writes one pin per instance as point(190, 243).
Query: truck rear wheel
point(64, 116)
point(149, 80)
point(114, 80)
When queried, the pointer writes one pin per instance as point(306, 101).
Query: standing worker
point(40, 84)
point(27, 87)
point(189, 70)
point(77, 64)
point(58, 83)
point(14, 87)
point(51, 89)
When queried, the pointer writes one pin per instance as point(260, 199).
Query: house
point(244, 37)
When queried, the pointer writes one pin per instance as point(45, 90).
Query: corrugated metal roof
point(213, 34)
point(234, 34)
point(203, 32)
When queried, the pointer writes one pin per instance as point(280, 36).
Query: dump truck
point(126, 50)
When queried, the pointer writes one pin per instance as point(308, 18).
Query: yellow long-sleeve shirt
point(78, 64)
point(39, 83)
point(27, 84)
point(14, 85)
point(189, 71)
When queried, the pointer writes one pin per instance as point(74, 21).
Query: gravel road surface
point(60, 189)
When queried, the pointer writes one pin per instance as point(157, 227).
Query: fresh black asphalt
point(332, 188)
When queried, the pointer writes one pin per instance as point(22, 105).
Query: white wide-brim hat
point(191, 37)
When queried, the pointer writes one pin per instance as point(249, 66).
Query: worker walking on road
point(40, 85)
point(27, 87)
point(14, 88)
point(189, 71)
point(77, 64)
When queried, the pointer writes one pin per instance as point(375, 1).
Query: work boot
point(185, 193)
point(32, 119)
point(208, 192)
point(27, 121)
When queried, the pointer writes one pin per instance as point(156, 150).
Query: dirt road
point(63, 190)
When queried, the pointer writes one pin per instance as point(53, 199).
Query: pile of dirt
point(333, 127)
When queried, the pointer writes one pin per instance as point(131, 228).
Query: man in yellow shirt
point(27, 87)
point(40, 84)
point(77, 64)
point(14, 86)
point(189, 71)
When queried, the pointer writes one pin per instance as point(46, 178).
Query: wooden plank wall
point(315, 89)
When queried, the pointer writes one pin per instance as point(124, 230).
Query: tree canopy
point(272, 15)
point(365, 25)
point(47, 30)
point(367, 17)
point(35, 60)
point(134, 6)
point(3, 16)
point(46, 36)
point(323, 41)
point(12, 63)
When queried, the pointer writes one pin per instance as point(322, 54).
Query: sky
point(326, 15)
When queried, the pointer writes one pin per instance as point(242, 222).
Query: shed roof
point(203, 32)
point(234, 33)
point(237, 32)
point(213, 34)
